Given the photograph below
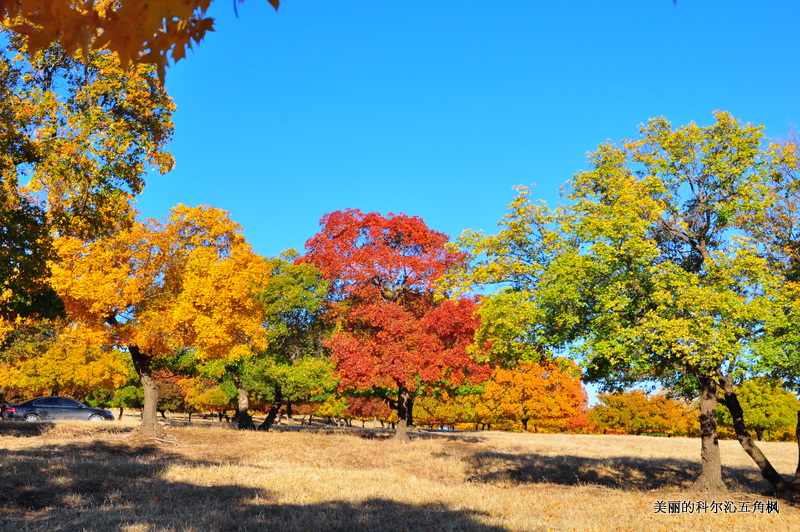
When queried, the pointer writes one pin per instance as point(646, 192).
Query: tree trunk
point(401, 408)
point(796, 481)
point(289, 413)
point(710, 479)
point(243, 417)
point(737, 414)
point(524, 424)
point(142, 363)
point(273, 411)
point(121, 409)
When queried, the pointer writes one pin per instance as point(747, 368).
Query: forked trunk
point(142, 365)
point(273, 411)
point(710, 479)
point(747, 443)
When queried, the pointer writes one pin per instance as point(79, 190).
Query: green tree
point(647, 272)
point(767, 407)
point(293, 367)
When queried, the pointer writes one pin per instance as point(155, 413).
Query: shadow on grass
point(620, 472)
point(20, 429)
point(381, 433)
point(113, 486)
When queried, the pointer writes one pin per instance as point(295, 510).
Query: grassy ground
point(87, 476)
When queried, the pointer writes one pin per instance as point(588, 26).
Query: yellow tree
point(155, 288)
point(76, 139)
point(546, 394)
point(55, 357)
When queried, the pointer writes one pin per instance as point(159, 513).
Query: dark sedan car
point(55, 408)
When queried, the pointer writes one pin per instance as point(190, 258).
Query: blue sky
point(439, 108)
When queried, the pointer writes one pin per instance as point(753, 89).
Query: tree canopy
point(76, 139)
point(648, 271)
point(157, 288)
point(393, 336)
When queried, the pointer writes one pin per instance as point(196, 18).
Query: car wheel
point(30, 417)
point(95, 417)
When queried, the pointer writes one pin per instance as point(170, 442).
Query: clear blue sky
point(439, 108)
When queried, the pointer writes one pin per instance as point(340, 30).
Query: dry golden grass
point(83, 476)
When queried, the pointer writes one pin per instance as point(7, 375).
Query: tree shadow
point(623, 472)
point(114, 486)
point(22, 429)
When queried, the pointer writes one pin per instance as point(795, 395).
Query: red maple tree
point(393, 338)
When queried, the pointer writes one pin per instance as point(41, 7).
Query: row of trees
point(673, 259)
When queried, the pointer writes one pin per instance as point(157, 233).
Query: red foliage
point(392, 332)
point(371, 255)
point(367, 408)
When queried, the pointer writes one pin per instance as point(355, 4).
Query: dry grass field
point(85, 476)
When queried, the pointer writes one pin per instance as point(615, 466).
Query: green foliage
point(76, 139)
point(25, 248)
point(130, 396)
point(768, 408)
point(293, 298)
point(645, 273)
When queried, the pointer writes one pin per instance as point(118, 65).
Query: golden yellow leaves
point(69, 359)
point(146, 31)
point(187, 282)
point(216, 306)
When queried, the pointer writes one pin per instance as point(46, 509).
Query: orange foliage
point(637, 412)
point(549, 396)
point(167, 286)
point(135, 30)
point(158, 287)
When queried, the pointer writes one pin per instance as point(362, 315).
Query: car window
point(47, 401)
point(70, 403)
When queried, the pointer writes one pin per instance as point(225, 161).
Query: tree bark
point(401, 408)
point(243, 417)
point(524, 424)
point(747, 443)
point(289, 413)
point(273, 411)
point(142, 365)
point(710, 479)
point(796, 480)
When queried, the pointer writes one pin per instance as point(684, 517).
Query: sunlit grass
point(81, 476)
